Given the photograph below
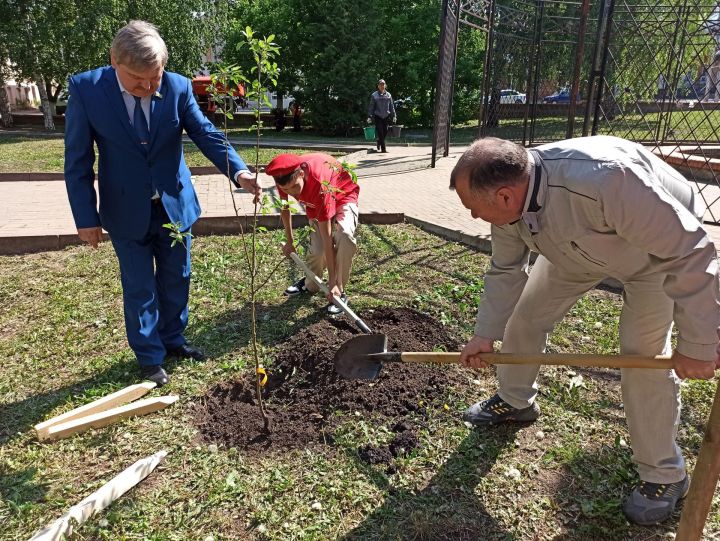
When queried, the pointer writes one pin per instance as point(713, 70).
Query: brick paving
point(400, 181)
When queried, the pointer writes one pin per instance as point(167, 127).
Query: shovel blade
point(352, 361)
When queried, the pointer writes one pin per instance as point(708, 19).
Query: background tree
point(337, 50)
point(410, 34)
point(49, 41)
point(266, 17)
point(6, 120)
point(190, 28)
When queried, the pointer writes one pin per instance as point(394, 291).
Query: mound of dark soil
point(305, 398)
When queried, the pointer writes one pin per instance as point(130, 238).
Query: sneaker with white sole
point(653, 503)
point(334, 310)
point(495, 410)
point(297, 288)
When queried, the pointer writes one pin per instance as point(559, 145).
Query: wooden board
point(105, 418)
point(118, 398)
point(100, 499)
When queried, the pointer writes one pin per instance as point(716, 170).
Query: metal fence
point(645, 70)
point(445, 77)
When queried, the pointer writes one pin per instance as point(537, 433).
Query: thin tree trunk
point(5, 113)
point(47, 113)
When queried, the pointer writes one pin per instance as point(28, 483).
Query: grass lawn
point(62, 342)
point(41, 154)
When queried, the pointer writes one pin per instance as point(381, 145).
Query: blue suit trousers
point(156, 285)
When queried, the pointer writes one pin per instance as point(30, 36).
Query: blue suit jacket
point(96, 113)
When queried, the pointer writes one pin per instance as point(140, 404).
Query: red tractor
point(200, 86)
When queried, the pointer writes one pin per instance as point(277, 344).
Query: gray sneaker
point(495, 411)
point(652, 503)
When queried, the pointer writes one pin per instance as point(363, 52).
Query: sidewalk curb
point(211, 225)
point(482, 244)
point(199, 170)
point(479, 243)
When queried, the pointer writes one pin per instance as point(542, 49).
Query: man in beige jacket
point(594, 208)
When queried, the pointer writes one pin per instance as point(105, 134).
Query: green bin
point(369, 133)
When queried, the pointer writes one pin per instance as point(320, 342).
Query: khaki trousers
point(651, 397)
point(344, 225)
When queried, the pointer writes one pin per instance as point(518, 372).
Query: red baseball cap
point(284, 164)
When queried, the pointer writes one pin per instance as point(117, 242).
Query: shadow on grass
point(447, 508)
point(231, 330)
point(430, 256)
point(18, 487)
point(18, 417)
point(597, 483)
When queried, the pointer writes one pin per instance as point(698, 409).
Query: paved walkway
point(36, 214)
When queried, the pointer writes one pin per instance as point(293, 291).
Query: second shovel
point(336, 300)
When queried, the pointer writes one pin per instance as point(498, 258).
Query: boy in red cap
point(330, 198)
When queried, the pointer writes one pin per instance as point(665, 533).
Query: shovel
point(336, 300)
point(362, 357)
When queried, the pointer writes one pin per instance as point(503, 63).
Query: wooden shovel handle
point(564, 359)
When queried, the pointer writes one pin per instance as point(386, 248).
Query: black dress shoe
point(155, 373)
point(186, 351)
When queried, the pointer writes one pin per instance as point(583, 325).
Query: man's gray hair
point(138, 45)
point(491, 162)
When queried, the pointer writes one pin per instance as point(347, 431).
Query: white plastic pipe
point(101, 498)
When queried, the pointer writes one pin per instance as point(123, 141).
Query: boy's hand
point(334, 292)
point(288, 249)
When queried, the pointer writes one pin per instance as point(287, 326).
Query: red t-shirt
point(327, 186)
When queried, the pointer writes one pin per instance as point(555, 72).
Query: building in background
point(21, 94)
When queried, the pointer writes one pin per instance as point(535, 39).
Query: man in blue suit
point(135, 112)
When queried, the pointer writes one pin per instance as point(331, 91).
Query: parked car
point(512, 96)
point(561, 96)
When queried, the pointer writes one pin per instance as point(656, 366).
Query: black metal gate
point(644, 70)
point(445, 77)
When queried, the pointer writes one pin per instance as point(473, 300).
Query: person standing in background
point(381, 109)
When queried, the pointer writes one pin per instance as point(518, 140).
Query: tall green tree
point(410, 32)
point(5, 114)
point(266, 17)
point(50, 40)
point(190, 28)
point(335, 51)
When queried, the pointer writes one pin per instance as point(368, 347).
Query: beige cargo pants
point(344, 225)
point(651, 397)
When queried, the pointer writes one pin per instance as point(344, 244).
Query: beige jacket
point(610, 208)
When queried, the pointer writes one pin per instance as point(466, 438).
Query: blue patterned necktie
point(140, 124)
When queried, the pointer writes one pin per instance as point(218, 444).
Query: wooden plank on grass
point(100, 499)
point(118, 398)
point(105, 418)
